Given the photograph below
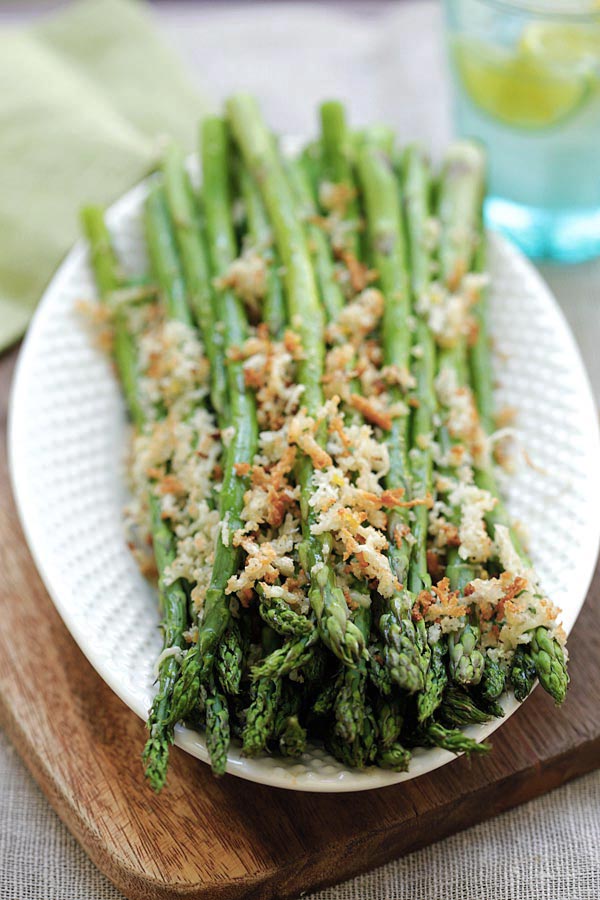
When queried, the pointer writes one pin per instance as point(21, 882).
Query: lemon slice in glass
point(563, 44)
point(516, 87)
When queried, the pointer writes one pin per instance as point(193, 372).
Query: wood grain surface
point(203, 838)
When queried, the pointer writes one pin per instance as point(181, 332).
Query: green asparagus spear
point(416, 192)
point(436, 679)
point(550, 664)
point(480, 362)
point(261, 238)
point(191, 244)
point(229, 660)
point(459, 709)
point(453, 740)
point(390, 719)
point(337, 152)
point(287, 728)
point(163, 255)
point(379, 674)
point(294, 654)
point(330, 291)
point(173, 603)
point(402, 651)
point(242, 446)
point(260, 717)
point(172, 598)
point(363, 750)
point(349, 706)
point(305, 315)
point(467, 661)
point(459, 204)
point(217, 728)
point(522, 672)
point(282, 618)
point(544, 654)
point(493, 679)
point(336, 172)
point(167, 269)
point(109, 279)
point(317, 667)
point(292, 738)
point(396, 758)
point(323, 704)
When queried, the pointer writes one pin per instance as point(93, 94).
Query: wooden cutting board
point(209, 839)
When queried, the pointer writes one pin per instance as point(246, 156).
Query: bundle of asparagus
point(307, 372)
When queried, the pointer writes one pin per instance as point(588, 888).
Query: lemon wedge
point(560, 44)
point(518, 88)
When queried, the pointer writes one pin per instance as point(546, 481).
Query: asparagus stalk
point(291, 735)
point(166, 266)
point(460, 193)
point(550, 663)
point(390, 719)
point(323, 704)
point(260, 717)
point(217, 728)
point(305, 315)
point(337, 152)
point(379, 674)
point(336, 172)
point(436, 679)
point(282, 618)
point(172, 598)
point(417, 190)
point(108, 279)
point(330, 291)
point(493, 679)
point(522, 672)
point(416, 186)
point(459, 709)
point(402, 652)
point(191, 244)
point(173, 603)
point(363, 750)
point(163, 256)
point(396, 758)
point(242, 414)
point(453, 740)
point(466, 658)
point(416, 194)
point(481, 370)
point(349, 705)
point(229, 661)
point(261, 238)
point(294, 654)
point(544, 654)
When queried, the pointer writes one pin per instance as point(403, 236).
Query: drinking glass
point(526, 80)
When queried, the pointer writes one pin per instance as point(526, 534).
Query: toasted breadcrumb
point(247, 277)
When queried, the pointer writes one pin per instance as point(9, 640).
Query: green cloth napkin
point(86, 96)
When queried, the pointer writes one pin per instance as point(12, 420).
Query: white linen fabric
point(385, 60)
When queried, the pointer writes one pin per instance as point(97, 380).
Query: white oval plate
point(67, 440)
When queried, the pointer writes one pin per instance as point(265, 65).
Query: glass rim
point(563, 9)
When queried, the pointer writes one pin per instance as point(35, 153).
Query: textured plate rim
point(283, 776)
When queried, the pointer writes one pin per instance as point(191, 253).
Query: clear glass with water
point(527, 84)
